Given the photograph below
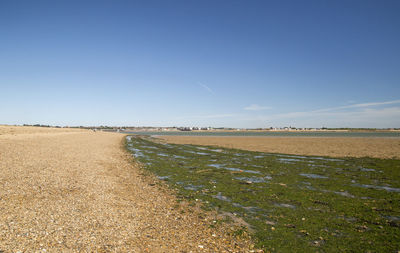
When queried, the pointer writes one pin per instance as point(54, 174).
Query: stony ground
point(73, 190)
point(320, 146)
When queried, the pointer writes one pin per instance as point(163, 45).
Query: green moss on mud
point(289, 203)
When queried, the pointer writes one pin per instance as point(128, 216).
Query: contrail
point(206, 88)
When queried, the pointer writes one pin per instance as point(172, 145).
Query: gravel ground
point(320, 146)
point(74, 190)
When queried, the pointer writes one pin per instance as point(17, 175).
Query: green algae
point(289, 203)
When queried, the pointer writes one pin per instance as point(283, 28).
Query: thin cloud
point(255, 107)
point(366, 117)
point(334, 109)
point(361, 105)
point(206, 88)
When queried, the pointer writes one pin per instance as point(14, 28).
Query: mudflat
point(74, 190)
point(319, 146)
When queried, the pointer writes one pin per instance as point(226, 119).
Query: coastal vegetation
point(286, 202)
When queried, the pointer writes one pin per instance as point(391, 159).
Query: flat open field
point(334, 147)
point(69, 190)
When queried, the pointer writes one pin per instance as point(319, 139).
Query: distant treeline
point(40, 125)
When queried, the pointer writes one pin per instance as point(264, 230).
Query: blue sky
point(207, 63)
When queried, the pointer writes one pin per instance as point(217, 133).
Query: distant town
point(196, 128)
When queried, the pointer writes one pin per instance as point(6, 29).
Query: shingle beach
point(74, 190)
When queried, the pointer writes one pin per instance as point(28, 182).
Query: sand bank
point(334, 147)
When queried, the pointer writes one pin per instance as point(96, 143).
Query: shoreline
point(270, 134)
point(385, 148)
point(275, 136)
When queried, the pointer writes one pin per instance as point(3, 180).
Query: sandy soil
point(74, 190)
point(326, 146)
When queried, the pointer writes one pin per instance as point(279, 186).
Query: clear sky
point(202, 63)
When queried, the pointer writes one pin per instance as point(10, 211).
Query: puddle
point(365, 169)
point(285, 205)
point(311, 188)
point(162, 154)
point(307, 186)
point(256, 166)
point(240, 170)
point(292, 156)
point(201, 153)
point(136, 152)
point(312, 175)
point(221, 197)
point(216, 150)
point(366, 198)
point(288, 160)
point(254, 179)
point(215, 165)
point(259, 156)
point(389, 189)
point(326, 159)
point(253, 209)
point(295, 158)
point(345, 194)
point(392, 218)
point(195, 152)
point(237, 205)
point(193, 187)
point(179, 157)
point(136, 155)
point(163, 177)
point(221, 166)
point(151, 147)
point(134, 149)
point(188, 151)
point(148, 151)
point(202, 148)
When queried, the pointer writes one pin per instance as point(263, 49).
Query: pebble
point(76, 191)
